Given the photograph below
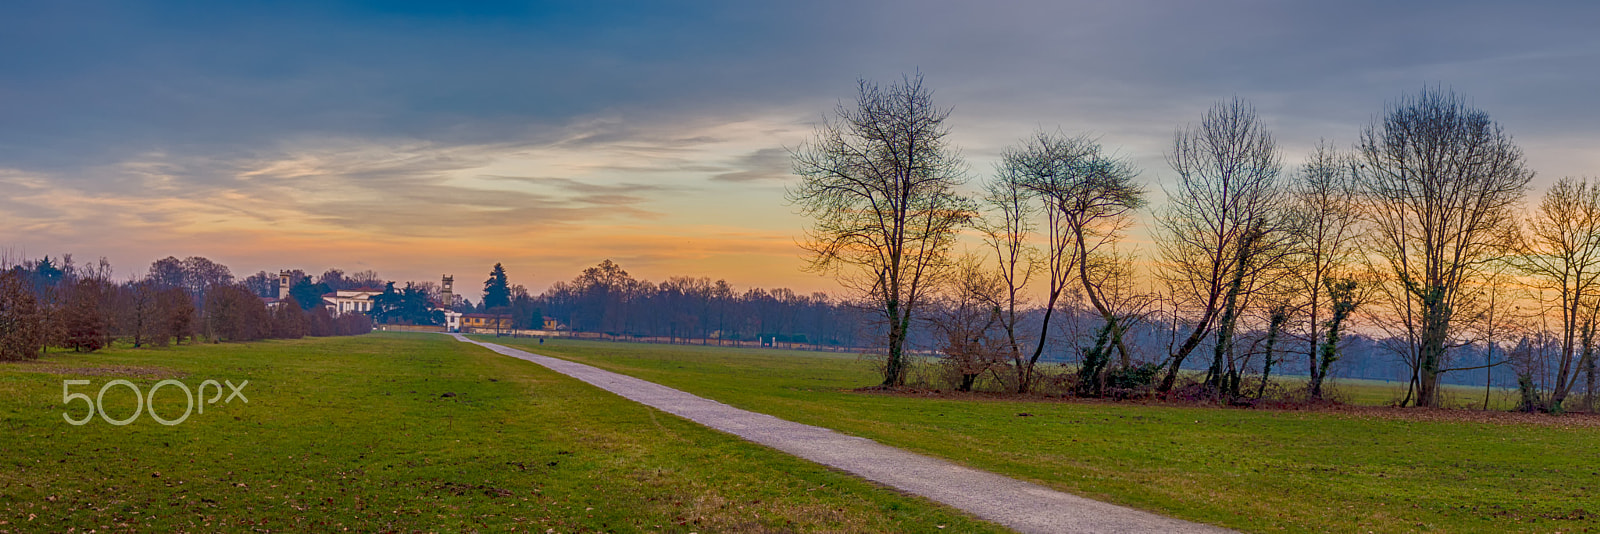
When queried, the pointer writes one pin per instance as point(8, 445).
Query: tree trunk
point(894, 368)
point(1025, 374)
point(1430, 357)
point(1274, 327)
point(1586, 365)
point(1588, 383)
point(1230, 310)
point(1195, 337)
point(1431, 351)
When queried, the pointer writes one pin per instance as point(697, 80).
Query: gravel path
point(1019, 505)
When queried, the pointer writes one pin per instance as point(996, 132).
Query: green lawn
point(355, 433)
point(1254, 470)
point(1381, 393)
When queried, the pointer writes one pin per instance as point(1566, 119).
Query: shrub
point(1140, 378)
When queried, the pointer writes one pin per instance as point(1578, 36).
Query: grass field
point(356, 434)
point(1254, 470)
point(1382, 393)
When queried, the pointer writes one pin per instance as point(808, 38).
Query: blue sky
point(418, 139)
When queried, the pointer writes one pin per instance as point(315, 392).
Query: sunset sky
point(419, 140)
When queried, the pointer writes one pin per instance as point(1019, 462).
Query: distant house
point(271, 302)
point(359, 300)
point(344, 301)
point(452, 320)
point(485, 321)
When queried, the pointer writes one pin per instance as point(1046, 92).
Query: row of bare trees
point(45, 304)
point(1558, 255)
point(1412, 234)
point(606, 299)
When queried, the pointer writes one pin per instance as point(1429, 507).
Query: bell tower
point(447, 296)
point(283, 285)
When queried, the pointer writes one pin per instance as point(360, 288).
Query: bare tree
point(1223, 220)
point(1088, 198)
point(367, 278)
point(1328, 213)
point(1007, 230)
point(168, 272)
point(1440, 180)
point(140, 312)
point(175, 316)
point(263, 284)
point(966, 322)
point(1500, 315)
point(880, 181)
point(1042, 160)
point(22, 325)
point(1561, 250)
point(1108, 276)
point(334, 279)
point(201, 273)
point(85, 317)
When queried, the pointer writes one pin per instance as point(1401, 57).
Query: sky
point(422, 139)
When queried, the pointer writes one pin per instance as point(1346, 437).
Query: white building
point(344, 301)
point(359, 300)
point(452, 320)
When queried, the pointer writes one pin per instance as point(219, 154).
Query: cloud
point(767, 164)
point(380, 200)
point(381, 130)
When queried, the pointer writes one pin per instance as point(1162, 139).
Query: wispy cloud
point(767, 164)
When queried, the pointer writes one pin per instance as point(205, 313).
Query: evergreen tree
point(386, 305)
point(46, 273)
point(496, 291)
point(408, 306)
point(309, 295)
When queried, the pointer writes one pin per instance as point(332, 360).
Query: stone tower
point(447, 296)
point(283, 285)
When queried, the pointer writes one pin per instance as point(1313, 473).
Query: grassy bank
point(1255, 470)
point(397, 432)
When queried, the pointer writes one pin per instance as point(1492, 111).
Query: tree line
point(56, 303)
point(606, 299)
point(1412, 234)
